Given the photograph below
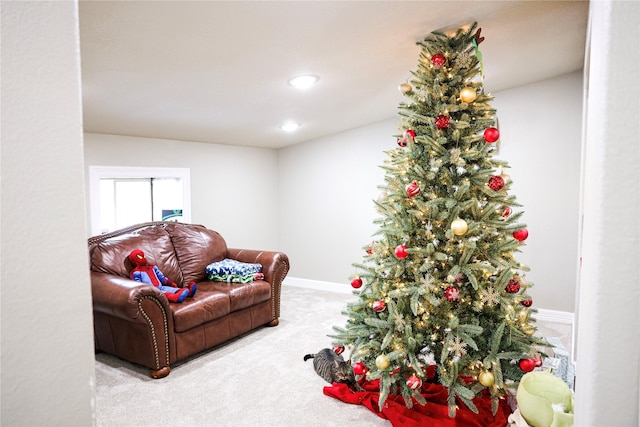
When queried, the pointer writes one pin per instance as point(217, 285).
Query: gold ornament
point(523, 316)
point(382, 362)
point(486, 378)
point(528, 329)
point(459, 226)
point(404, 88)
point(468, 94)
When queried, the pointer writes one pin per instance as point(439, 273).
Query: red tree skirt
point(434, 414)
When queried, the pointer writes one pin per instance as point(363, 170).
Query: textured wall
point(47, 333)
point(609, 297)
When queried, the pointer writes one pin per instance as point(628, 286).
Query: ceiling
point(217, 71)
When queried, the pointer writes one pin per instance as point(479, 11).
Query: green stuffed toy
point(544, 400)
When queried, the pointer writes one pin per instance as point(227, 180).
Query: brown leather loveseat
point(136, 322)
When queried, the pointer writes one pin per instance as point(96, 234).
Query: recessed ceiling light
point(290, 126)
point(304, 81)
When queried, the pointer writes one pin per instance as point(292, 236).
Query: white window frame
point(96, 173)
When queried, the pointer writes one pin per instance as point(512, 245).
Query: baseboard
point(318, 285)
point(556, 316)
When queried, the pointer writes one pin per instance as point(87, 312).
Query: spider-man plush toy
point(152, 275)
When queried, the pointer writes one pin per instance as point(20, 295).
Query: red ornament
point(379, 306)
point(521, 235)
point(527, 302)
point(443, 122)
point(527, 365)
point(452, 294)
point(401, 251)
point(359, 368)
point(413, 189)
point(369, 250)
point(513, 287)
point(491, 134)
point(438, 60)
point(338, 349)
point(402, 142)
point(410, 133)
point(414, 382)
point(506, 212)
point(356, 282)
point(496, 182)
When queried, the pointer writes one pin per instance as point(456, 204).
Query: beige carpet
point(259, 379)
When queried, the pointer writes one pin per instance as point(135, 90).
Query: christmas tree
point(440, 284)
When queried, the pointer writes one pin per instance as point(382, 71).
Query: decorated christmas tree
point(440, 285)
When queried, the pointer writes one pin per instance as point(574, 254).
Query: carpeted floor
point(258, 379)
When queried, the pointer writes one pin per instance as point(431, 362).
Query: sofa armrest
point(275, 266)
point(133, 321)
point(121, 297)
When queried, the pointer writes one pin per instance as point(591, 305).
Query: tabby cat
point(332, 367)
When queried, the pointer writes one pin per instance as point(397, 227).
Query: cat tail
point(309, 356)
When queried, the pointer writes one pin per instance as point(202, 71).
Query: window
point(123, 196)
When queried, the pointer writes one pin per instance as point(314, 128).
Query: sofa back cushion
point(110, 255)
point(196, 247)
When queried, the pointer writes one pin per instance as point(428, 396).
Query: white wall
point(327, 188)
point(233, 189)
point(608, 356)
point(541, 138)
point(47, 359)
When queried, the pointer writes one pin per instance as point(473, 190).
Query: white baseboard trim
point(556, 316)
point(318, 285)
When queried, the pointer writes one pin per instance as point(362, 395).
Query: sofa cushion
point(215, 300)
point(207, 305)
point(195, 248)
point(110, 255)
point(241, 295)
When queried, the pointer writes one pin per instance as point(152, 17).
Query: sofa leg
point(159, 373)
point(274, 322)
